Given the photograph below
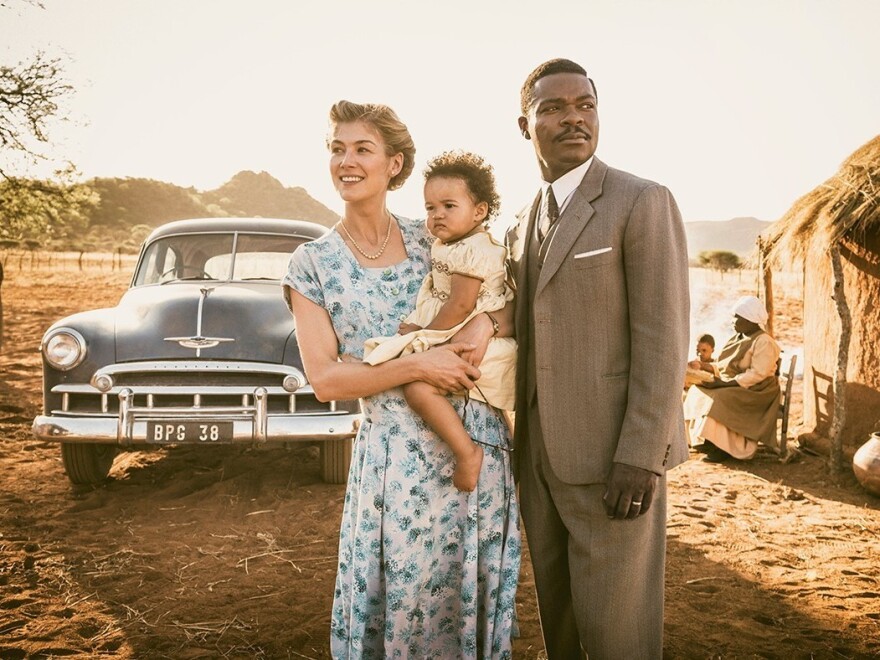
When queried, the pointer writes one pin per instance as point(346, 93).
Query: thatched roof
point(846, 206)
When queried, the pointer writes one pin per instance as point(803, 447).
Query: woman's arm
point(765, 354)
point(718, 383)
point(335, 380)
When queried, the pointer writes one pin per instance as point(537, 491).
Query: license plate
point(189, 432)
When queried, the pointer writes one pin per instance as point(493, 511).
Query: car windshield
point(220, 256)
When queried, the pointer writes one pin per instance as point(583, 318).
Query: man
point(602, 321)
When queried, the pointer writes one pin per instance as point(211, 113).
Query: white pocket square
point(592, 253)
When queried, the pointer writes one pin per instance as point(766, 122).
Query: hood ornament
point(198, 341)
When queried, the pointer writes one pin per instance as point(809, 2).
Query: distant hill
point(251, 194)
point(106, 214)
point(737, 235)
point(127, 202)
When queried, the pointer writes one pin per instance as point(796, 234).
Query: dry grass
point(845, 206)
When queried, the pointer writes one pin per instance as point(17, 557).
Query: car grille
point(79, 403)
point(198, 379)
point(200, 386)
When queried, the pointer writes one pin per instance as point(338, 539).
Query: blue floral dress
point(425, 570)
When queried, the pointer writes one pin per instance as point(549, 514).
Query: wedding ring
point(636, 503)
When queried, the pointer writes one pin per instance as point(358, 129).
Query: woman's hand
point(446, 368)
point(719, 383)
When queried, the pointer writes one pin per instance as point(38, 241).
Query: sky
point(738, 107)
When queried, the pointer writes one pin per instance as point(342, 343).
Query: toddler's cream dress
point(478, 256)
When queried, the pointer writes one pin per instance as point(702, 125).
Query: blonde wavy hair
point(386, 122)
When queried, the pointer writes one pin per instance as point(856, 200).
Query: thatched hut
point(834, 232)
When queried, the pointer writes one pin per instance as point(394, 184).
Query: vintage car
point(200, 350)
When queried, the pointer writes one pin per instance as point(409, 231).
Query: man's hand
point(478, 331)
point(630, 491)
point(406, 328)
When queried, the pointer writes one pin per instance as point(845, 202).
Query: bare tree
point(9, 3)
point(30, 93)
point(32, 96)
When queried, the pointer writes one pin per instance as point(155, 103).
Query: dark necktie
point(549, 214)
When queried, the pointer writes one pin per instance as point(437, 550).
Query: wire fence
point(34, 260)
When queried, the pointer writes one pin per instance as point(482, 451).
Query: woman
point(738, 409)
point(424, 570)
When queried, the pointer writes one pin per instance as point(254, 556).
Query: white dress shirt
point(564, 186)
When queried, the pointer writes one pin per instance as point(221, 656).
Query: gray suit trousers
point(599, 581)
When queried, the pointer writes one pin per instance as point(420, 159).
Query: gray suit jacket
point(612, 328)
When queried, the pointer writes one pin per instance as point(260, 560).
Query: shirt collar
point(565, 185)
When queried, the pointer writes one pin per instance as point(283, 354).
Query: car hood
point(213, 320)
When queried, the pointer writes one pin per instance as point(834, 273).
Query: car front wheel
point(87, 463)
point(335, 460)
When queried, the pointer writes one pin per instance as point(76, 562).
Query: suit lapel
point(572, 222)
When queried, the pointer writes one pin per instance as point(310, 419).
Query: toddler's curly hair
point(477, 174)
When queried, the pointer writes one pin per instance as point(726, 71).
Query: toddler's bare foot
point(467, 469)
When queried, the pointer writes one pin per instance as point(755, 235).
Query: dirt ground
point(190, 553)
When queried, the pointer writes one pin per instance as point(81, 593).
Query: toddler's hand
point(406, 328)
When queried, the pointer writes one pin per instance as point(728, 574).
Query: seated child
point(467, 278)
point(704, 361)
point(701, 370)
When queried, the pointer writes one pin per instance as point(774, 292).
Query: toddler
point(467, 278)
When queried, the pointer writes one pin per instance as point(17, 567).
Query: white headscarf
point(751, 309)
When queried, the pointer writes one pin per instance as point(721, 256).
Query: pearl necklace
point(360, 249)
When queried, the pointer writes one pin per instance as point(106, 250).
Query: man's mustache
point(573, 131)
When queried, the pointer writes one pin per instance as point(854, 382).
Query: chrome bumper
point(251, 424)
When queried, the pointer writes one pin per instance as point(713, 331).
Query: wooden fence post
point(1, 306)
point(765, 274)
point(838, 421)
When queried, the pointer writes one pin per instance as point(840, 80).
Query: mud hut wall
point(821, 330)
point(861, 267)
point(862, 270)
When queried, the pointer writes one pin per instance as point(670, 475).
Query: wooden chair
point(785, 405)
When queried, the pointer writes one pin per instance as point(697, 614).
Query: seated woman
point(738, 409)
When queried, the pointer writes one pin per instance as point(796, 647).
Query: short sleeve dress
point(478, 256)
point(424, 570)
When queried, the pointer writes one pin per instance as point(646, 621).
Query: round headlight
point(102, 382)
point(64, 349)
point(292, 382)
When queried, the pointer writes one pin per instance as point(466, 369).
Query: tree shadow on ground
point(715, 612)
point(809, 474)
point(195, 554)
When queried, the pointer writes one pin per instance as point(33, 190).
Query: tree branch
point(30, 93)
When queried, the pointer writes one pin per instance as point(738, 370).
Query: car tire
point(335, 461)
point(87, 463)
